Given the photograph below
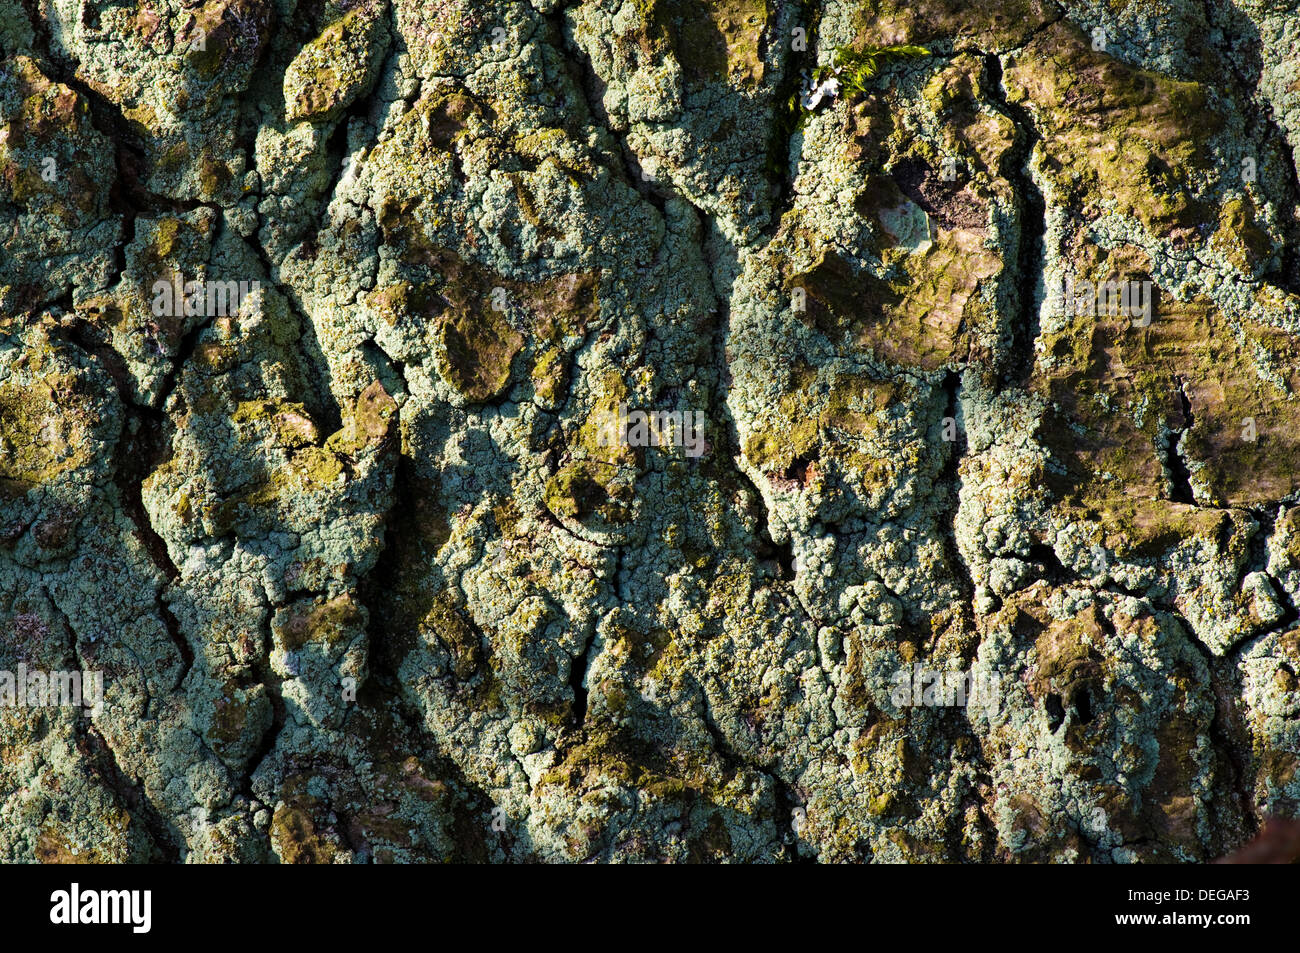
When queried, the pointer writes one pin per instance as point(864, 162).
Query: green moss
point(550, 376)
point(607, 754)
point(1239, 238)
point(853, 70)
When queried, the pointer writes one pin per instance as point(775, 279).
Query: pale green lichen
point(370, 583)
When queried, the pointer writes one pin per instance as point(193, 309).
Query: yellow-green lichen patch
point(550, 377)
point(473, 307)
point(368, 426)
point(1240, 239)
point(46, 429)
point(1114, 135)
point(45, 110)
point(293, 426)
point(588, 487)
point(713, 41)
point(969, 128)
point(295, 840)
point(940, 301)
point(1190, 390)
point(828, 426)
point(56, 176)
point(590, 437)
point(478, 347)
point(682, 781)
point(331, 622)
point(992, 26)
point(1243, 437)
point(336, 67)
point(921, 319)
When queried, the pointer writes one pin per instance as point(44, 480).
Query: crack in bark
point(1179, 474)
point(103, 764)
point(1032, 231)
point(784, 800)
point(952, 477)
point(1247, 94)
point(782, 167)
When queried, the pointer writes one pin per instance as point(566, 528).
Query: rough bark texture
point(364, 576)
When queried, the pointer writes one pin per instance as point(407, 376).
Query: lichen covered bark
point(314, 317)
